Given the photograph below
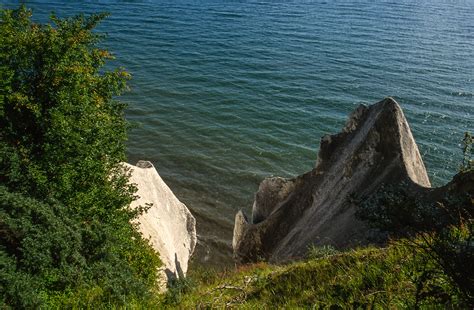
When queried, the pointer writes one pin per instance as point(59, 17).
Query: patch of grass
point(391, 277)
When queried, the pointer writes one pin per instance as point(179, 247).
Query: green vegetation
point(389, 278)
point(405, 275)
point(66, 237)
point(315, 252)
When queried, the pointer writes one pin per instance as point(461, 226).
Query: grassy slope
point(367, 278)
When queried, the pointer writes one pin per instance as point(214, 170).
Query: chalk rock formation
point(168, 224)
point(376, 146)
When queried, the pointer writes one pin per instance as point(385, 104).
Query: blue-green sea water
point(226, 93)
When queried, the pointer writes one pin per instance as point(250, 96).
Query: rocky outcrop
point(168, 224)
point(375, 147)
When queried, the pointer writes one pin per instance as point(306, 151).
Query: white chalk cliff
point(168, 224)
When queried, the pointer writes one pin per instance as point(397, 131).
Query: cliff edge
point(375, 147)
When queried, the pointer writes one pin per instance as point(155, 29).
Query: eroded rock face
point(168, 224)
point(376, 146)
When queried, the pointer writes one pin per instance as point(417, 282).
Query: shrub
point(62, 137)
point(39, 249)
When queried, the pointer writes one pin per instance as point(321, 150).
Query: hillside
point(369, 277)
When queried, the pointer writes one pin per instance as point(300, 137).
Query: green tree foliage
point(65, 220)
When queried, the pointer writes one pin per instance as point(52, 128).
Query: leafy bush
point(39, 246)
point(403, 211)
point(65, 224)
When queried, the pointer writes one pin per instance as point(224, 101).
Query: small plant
point(318, 252)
